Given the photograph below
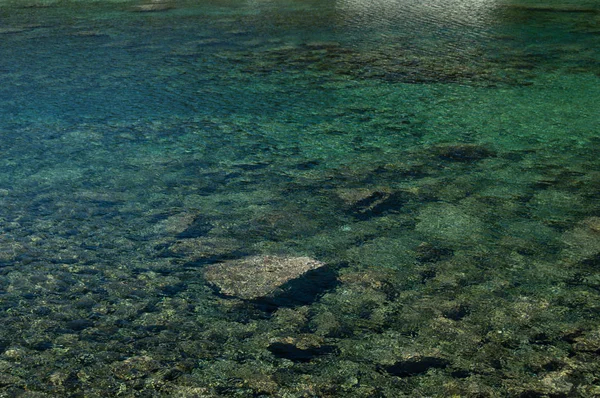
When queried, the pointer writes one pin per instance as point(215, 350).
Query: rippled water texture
point(307, 198)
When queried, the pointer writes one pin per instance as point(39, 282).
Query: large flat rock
point(257, 276)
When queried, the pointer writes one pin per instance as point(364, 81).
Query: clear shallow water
point(440, 158)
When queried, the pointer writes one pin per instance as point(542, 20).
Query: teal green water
point(440, 157)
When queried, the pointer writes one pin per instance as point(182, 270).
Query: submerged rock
point(153, 6)
point(10, 250)
point(463, 152)
point(305, 348)
point(429, 253)
point(257, 276)
point(583, 241)
point(416, 366)
point(449, 223)
point(137, 367)
point(355, 197)
point(175, 224)
point(364, 203)
point(204, 247)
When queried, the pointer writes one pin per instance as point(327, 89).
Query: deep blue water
point(441, 158)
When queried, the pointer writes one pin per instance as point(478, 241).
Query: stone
point(583, 241)
point(153, 6)
point(137, 367)
point(428, 253)
point(364, 203)
point(449, 223)
point(463, 152)
point(352, 197)
point(384, 252)
point(417, 366)
point(588, 342)
point(197, 248)
point(302, 349)
point(257, 276)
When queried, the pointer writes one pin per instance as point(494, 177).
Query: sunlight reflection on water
point(473, 13)
point(455, 28)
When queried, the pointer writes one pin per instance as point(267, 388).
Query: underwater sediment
point(292, 199)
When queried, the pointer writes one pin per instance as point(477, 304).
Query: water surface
point(440, 157)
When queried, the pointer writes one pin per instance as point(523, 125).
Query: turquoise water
point(441, 158)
